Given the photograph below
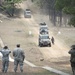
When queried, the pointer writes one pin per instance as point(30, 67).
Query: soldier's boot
point(15, 68)
point(5, 71)
point(2, 70)
point(6, 68)
point(21, 68)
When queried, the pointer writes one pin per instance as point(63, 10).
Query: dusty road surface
point(58, 53)
point(16, 30)
point(13, 31)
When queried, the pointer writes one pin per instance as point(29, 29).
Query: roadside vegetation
point(58, 9)
point(18, 30)
point(9, 6)
point(55, 8)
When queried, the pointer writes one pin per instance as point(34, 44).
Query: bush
point(72, 21)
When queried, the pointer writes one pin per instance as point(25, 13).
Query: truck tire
point(49, 44)
point(40, 45)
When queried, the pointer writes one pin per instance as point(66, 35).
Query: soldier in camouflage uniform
point(18, 58)
point(52, 39)
point(5, 58)
point(72, 59)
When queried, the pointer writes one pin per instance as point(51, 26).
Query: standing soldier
point(52, 39)
point(72, 59)
point(18, 58)
point(5, 58)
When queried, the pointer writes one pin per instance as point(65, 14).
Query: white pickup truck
point(27, 13)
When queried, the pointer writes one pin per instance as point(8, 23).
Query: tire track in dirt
point(48, 53)
point(53, 51)
point(32, 65)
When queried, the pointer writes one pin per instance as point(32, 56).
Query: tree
point(48, 5)
point(68, 7)
point(9, 6)
point(1, 1)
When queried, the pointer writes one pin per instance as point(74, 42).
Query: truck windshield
point(44, 37)
point(43, 28)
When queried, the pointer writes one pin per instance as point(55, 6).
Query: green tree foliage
point(40, 3)
point(68, 7)
point(72, 21)
point(60, 4)
point(9, 6)
point(48, 5)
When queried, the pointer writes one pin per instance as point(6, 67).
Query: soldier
point(18, 58)
point(5, 58)
point(52, 39)
point(72, 59)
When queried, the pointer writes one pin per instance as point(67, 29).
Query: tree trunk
point(54, 17)
point(60, 18)
point(1, 1)
point(12, 14)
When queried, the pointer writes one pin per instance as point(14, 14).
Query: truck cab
point(27, 13)
point(44, 40)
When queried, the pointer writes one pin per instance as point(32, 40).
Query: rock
point(1, 21)
point(30, 33)
point(41, 59)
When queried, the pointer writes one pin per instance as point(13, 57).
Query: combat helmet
point(73, 46)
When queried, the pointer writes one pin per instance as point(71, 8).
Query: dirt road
point(56, 54)
point(13, 31)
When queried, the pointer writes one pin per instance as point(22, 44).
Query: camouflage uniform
point(72, 58)
point(52, 39)
point(72, 52)
point(5, 58)
point(18, 58)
